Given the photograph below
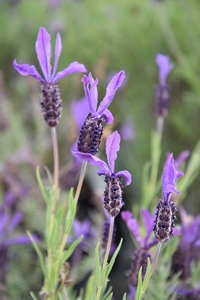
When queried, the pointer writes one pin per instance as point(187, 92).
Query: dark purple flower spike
point(161, 104)
point(141, 255)
point(50, 97)
point(166, 209)
point(113, 190)
point(92, 129)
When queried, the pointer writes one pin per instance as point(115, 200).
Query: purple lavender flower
point(166, 209)
point(50, 98)
point(188, 247)
point(141, 255)
point(92, 129)
point(161, 103)
point(113, 190)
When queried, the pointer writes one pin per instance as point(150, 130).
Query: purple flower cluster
point(166, 209)
point(161, 96)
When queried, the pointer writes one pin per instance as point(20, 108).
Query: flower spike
point(113, 189)
point(92, 129)
point(51, 106)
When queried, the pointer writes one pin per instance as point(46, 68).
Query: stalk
point(80, 183)
point(112, 219)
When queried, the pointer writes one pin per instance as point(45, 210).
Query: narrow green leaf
point(97, 264)
point(138, 295)
point(66, 254)
point(124, 297)
point(33, 296)
point(42, 189)
point(38, 252)
point(109, 297)
point(111, 263)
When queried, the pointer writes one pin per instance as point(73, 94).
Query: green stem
point(56, 158)
point(148, 277)
point(109, 243)
point(80, 183)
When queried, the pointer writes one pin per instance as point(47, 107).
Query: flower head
point(113, 189)
point(132, 224)
point(43, 50)
point(164, 66)
point(51, 103)
point(91, 93)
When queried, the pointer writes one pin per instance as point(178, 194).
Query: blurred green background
point(106, 36)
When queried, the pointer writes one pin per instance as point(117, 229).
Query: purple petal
point(92, 96)
point(181, 159)
point(164, 67)
point(58, 50)
point(126, 175)
point(132, 225)
point(126, 215)
point(16, 219)
point(112, 147)
point(148, 222)
point(27, 70)
point(43, 50)
point(79, 111)
point(112, 87)
point(21, 240)
point(72, 68)
point(169, 178)
point(108, 116)
point(93, 160)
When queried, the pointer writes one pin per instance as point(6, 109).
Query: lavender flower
point(92, 129)
point(166, 209)
point(141, 255)
point(113, 190)
point(50, 97)
point(161, 103)
point(188, 248)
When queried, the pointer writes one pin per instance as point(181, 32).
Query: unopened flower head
point(161, 103)
point(113, 190)
point(142, 253)
point(166, 209)
point(50, 98)
point(92, 129)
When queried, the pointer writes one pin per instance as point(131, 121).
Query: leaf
point(33, 296)
point(109, 297)
point(38, 253)
point(138, 295)
point(97, 264)
point(111, 263)
point(66, 254)
point(124, 297)
point(42, 189)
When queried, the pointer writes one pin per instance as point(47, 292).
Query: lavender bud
point(90, 135)
point(104, 239)
point(181, 261)
point(113, 195)
point(164, 222)
point(139, 260)
point(50, 103)
point(161, 100)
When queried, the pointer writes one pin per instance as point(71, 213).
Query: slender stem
point(160, 123)
point(80, 183)
point(109, 243)
point(146, 281)
point(56, 158)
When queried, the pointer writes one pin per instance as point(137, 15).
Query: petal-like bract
point(43, 50)
point(112, 147)
point(169, 178)
point(164, 66)
point(72, 68)
point(26, 70)
point(112, 87)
